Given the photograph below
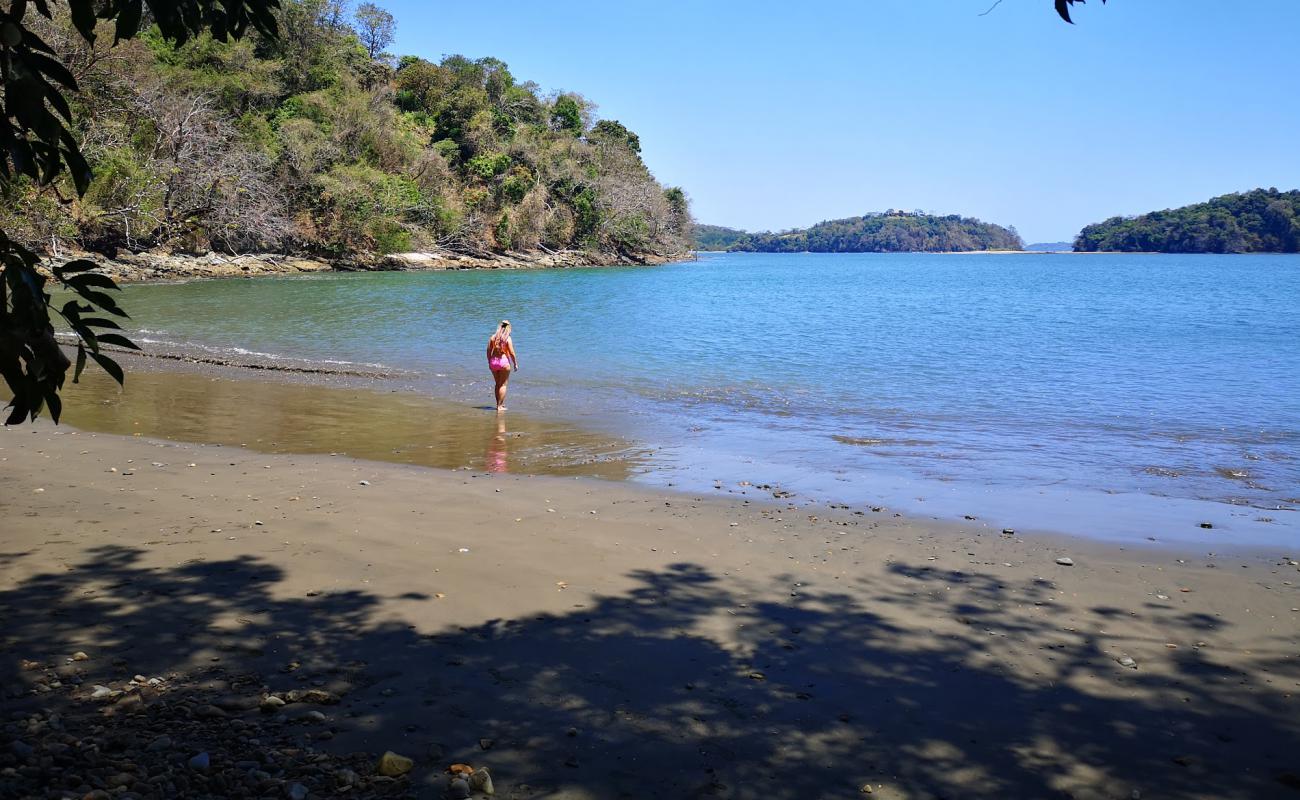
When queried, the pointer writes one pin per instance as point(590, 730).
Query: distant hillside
point(1050, 247)
point(891, 232)
point(716, 237)
point(1259, 221)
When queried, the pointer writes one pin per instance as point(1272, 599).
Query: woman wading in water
point(501, 360)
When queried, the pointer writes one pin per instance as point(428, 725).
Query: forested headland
point(319, 142)
point(1258, 221)
point(716, 237)
point(890, 232)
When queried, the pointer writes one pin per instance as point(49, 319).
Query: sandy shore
point(592, 639)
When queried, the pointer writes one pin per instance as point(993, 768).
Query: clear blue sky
point(775, 115)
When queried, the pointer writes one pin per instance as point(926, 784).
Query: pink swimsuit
point(499, 361)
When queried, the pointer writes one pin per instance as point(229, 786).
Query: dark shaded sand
point(590, 639)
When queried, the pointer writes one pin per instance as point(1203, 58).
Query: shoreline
point(406, 423)
point(607, 639)
point(156, 267)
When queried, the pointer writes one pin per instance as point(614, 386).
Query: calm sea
point(1124, 396)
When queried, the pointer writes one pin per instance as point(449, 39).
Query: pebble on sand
point(393, 765)
point(481, 781)
point(1065, 561)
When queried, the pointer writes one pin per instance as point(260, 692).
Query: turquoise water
point(1129, 395)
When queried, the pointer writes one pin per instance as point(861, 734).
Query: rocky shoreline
point(157, 266)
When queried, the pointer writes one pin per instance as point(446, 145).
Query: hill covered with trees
point(891, 232)
point(716, 237)
point(318, 141)
point(1258, 221)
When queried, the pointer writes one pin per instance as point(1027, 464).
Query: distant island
point(1259, 221)
point(1050, 247)
point(888, 232)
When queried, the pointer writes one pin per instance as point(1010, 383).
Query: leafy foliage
point(1258, 221)
point(37, 147)
point(566, 115)
point(891, 232)
point(306, 142)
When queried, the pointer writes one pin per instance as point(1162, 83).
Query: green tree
point(614, 132)
point(566, 115)
point(375, 27)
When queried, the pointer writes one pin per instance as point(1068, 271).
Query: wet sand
point(333, 412)
point(592, 639)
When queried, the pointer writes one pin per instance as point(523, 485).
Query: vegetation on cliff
point(1258, 221)
point(318, 141)
point(891, 232)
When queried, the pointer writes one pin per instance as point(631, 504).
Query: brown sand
point(605, 640)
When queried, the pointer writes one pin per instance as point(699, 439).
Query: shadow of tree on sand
point(687, 685)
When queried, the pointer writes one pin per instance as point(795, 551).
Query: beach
point(587, 638)
point(805, 490)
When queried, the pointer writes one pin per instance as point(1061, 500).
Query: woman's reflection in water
point(497, 457)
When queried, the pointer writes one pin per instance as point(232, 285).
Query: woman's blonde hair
point(502, 332)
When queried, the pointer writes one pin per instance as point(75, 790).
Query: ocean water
point(1125, 396)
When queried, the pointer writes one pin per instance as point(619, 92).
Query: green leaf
point(117, 339)
point(73, 309)
point(61, 105)
point(53, 69)
point(128, 21)
point(53, 402)
point(102, 300)
point(92, 279)
point(80, 265)
point(77, 165)
point(81, 362)
point(100, 322)
point(87, 335)
point(83, 17)
point(19, 411)
point(110, 366)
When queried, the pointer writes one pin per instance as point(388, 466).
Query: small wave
point(243, 358)
point(1232, 474)
point(1163, 472)
point(243, 351)
point(868, 441)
